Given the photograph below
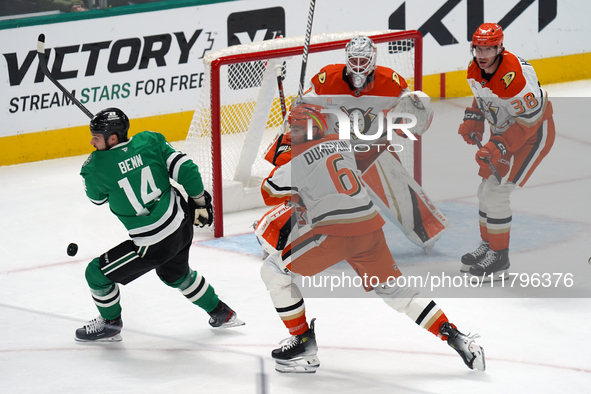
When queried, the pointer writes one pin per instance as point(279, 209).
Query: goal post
point(239, 111)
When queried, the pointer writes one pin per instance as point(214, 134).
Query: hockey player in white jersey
point(334, 219)
point(508, 95)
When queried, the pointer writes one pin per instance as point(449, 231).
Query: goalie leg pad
point(403, 201)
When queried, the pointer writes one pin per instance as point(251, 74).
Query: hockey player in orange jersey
point(334, 219)
point(361, 88)
point(508, 95)
point(365, 93)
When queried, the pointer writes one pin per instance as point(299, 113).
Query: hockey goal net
point(239, 113)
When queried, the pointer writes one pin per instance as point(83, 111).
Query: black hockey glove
point(203, 210)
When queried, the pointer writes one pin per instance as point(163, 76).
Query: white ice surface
point(533, 345)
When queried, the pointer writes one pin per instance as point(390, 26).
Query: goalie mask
point(110, 121)
point(298, 121)
point(487, 41)
point(361, 60)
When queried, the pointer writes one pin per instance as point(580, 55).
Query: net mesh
point(250, 110)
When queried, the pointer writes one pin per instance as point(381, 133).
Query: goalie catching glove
point(203, 209)
point(473, 122)
point(418, 104)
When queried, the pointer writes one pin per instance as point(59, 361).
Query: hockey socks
point(105, 293)
point(197, 290)
point(294, 317)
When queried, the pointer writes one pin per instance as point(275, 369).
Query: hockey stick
point(306, 48)
point(279, 137)
point(277, 141)
point(43, 64)
point(486, 160)
point(278, 69)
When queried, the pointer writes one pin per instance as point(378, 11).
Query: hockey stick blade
point(43, 65)
point(486, 160)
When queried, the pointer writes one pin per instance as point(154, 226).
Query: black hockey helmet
point(110, 121)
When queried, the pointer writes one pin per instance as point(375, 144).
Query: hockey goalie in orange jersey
point(364, 91)
point(508, 95)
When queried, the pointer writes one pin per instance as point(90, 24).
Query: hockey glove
point(473, 122)
point(493, 150)
point(203, 210)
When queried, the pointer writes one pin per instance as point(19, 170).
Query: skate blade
point(496, 276)
point(465, 268)
point(478, 353)
point(305, 364)
point(114, 338)
point(234, 322)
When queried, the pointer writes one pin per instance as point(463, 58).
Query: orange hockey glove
point(493, 150)
point(473, 122)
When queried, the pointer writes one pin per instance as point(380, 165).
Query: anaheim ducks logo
point(508, 78)
point(322, 77)
point(396, 78)
point(365, 119)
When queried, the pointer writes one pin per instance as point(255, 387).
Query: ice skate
point(471, 353)
point(100, 330)
point(224, 317)
point(493, 267)
point(473, 258)
point(297, 353)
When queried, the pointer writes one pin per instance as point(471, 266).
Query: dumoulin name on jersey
point(134, 178)
point(331, 89)
point(324, 149)
point(327, 186)
point(512, 94)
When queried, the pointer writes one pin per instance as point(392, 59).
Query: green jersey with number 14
point(134, 178)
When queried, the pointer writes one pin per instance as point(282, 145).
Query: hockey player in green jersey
point(133, 177)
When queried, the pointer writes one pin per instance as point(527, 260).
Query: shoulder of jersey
point(329, 77)
point(508, 80)
point(88, 160)
point(388, 79)
point(511, 75)
point(146, 137)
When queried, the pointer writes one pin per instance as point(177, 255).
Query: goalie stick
point(486, 160)
point(43, 65)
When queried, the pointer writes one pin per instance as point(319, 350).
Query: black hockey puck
point(72, 249)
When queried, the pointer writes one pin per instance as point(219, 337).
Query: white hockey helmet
point(361, 60)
